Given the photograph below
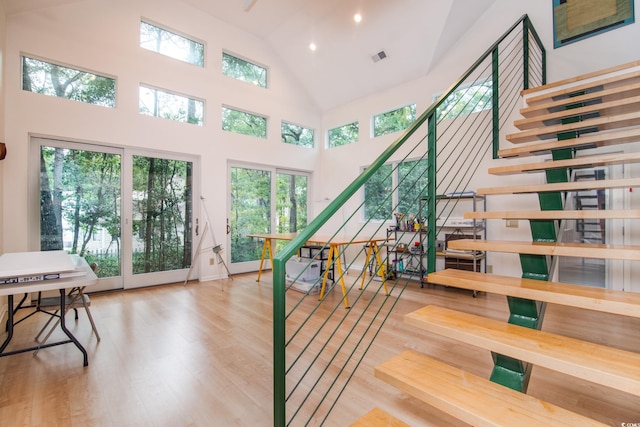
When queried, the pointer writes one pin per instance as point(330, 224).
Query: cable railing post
point(495, 103)
point(431, 191)
point(279, 341)
point(525, 52)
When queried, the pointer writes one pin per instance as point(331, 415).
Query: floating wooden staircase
point(599, 111)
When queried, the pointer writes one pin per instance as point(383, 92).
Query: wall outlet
point(512, 223)
point(489, 269)
point(212, 261)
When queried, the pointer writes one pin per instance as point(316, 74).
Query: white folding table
point(59, 284)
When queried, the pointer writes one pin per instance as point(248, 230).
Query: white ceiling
point(341, 69)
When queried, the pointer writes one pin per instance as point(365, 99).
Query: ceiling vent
point(379, 56)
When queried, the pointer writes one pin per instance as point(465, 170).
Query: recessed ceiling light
point(312, 46)
point(357, 17)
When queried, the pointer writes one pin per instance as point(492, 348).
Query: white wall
point(605, 50)
point(3, 34)
point(3, 24)
point(103, 36)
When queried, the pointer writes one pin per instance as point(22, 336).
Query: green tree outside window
point(157, 103)
point(244, 123)
point(343, 135)
point(377, 193)
point(170, 44)
point(244, 70)
point(394, 121)
point(297, 135)
point(471, 99)
point(55, 80)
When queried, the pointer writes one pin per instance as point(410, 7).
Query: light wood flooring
point(201, 355)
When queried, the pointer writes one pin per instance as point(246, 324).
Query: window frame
point(328, 135)
point(477, 82)
point(175, 33)
point(373, 119)
point(267, 71)
point(240, 110)
point(395, 197)
point(313, 134)
point(73, 68)
point(174, 93)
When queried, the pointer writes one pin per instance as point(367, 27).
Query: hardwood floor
point(201, 355)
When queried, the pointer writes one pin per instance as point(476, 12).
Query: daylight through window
point(154, 102)
point(467, 100)
point(396, 188)
point(343, 135)
point(394, 121)
point(244, 70)
point(244, 123)
point(55, 80)
point(297, 135)
point(170, 44)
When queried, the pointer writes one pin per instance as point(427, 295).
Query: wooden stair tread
point(608, 366)
point(615, 76)
point(599, 123)
point(620, 68)
point(609, 108)
point(580, 250)
point(470, 398)
point(598, 299)
point(605, 95)
point(562, 186)
point(557, 214)
point(583, 161)
point(378, 418)
point(600, 139)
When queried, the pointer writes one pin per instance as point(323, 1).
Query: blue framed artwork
point(574, 20)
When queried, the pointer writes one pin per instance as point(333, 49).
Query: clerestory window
point(52, 79)
point(244, 123)
point(297, 135)
point(171, 44)
point(167, 105)
point(343, 135)
point(394, 121)
point(244, 70)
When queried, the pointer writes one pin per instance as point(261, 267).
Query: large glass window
point(129, 211)
point(244, 123)
point(297, 135)
point(263, 201)
point(377, 192)
point(55, 80)
point(467, 100)
point(394, 121)
point(343, 135)
point(162, 213)
point(155, 102)
point(396, 188)
point(243, 70)
point(80, 205)
point(250, 211)
point(412, 186)
point(171, 44)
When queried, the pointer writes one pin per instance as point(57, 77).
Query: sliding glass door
point(129, 212)
point(263, 200)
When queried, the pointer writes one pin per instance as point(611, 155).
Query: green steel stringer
point(508, 371)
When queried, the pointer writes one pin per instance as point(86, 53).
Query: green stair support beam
point(507, 371)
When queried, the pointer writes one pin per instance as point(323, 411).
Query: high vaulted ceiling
point(414, 34)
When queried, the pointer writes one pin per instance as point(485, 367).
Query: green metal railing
point(318, 344)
